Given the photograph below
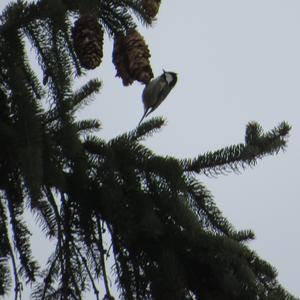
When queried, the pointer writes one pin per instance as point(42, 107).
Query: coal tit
point(156, 91)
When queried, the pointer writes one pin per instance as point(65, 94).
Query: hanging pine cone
point(151, 7)
point(138, 57)
point(119, 58)
point(88, 41)
point(131, 58)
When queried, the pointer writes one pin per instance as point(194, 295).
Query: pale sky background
point(238, 61)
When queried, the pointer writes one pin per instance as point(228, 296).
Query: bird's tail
point(144, 115)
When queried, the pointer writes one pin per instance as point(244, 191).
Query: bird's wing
point(155, 87)
point(164, 90)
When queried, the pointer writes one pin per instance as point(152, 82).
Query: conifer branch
point(123, 272)
point(84, 95)
point(206, 208)
point(67, 269)
point(87, 126)
point(9, 251)
point(146, 129)
point(5, 252)
point(21, 235)
point(36, 33)
point(48, 277)
point(232, 158)
point(59, 255)
point(83, 259)
point(18, 284)
point(46, 218)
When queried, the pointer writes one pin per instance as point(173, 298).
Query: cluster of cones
point(131, 58)
point(130, 54)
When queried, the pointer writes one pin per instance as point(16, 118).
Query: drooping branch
point(84, 261)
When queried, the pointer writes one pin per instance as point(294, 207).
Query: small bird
point(156, 91)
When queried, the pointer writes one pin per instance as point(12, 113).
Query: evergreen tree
point(168, 238)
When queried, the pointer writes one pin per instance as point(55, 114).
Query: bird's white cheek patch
point(169, 78)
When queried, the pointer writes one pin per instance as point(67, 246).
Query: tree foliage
point(168, 238)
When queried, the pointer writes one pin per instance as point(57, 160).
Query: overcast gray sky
point(238, 61)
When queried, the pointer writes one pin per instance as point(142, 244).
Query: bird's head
point(170, 77)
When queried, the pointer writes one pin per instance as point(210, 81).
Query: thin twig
point(67, 255)
point(18, 284)
point(78, 291)
point(10, 250)
point(102, 258)
point(96, 291)
point(49, 275)
point(51, 199)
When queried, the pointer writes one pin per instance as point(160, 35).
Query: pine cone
point(88, 41)
point(151, 7)
point(119, 58)
point(138, 57)
point(131, 58)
